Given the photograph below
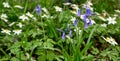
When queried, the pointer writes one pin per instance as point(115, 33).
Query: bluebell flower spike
point(38, 9)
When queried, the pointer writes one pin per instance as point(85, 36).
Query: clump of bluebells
point(38, 9)
point(84, 17)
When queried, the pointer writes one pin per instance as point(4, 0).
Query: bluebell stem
point(38, 9)
point(93, 13)
point(63, 35)
point(75, 22)
point(70, 33)
point(68, 27)
point(78, 12)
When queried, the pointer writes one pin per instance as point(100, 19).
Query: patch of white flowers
point(6, 31)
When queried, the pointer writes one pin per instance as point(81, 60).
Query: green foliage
point(40, 38)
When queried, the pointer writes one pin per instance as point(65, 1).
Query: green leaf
point(95, 50)
point(14, 59)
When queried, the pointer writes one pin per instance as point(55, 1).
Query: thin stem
point(43, 27)
point(4, 52)
point(91, 34)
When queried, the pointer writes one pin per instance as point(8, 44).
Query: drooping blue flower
point(63, 35)
point(88, 12)
point(85, 25)
point(78, 12)
point(38, 9)
point(67, 0)
point(75, 22)
point(86, 18)
point(70, 33)
point(67, 29)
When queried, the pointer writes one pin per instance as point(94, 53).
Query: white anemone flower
point(6, 31)
point(6, 5)
point(29, 14)
point(20, 25)
point(110, 40)
point(111, 20)
point(77, 29)
point(104, 25)
point(23, 17)
point(45, 16)
point(73, 19)
point(18, 6)
point(45, 10)
point(74, 6)
point(34, 18)
point(4, 16)
point(73, 12)
point(66, 3)
point(88, 4)
point(58, 9)
point(17, 32)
